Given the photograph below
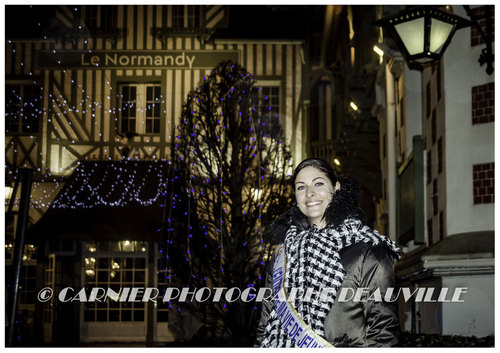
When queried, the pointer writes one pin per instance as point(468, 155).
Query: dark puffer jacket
point(360, 323)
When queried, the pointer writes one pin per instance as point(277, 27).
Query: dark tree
point(232, 167)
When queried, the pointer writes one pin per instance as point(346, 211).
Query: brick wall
point(483, 103)
point(484, 183)
point(475, 37)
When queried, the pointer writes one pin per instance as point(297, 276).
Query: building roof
point(108, 200)
point(457, 254)
point(464, 245)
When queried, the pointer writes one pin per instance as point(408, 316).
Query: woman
point(325, 244)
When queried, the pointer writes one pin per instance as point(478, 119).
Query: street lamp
point(422, 33)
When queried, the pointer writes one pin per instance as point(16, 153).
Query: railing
point(323, 149)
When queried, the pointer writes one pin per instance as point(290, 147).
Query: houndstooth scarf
point(313, 261)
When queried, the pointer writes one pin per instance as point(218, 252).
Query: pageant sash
point(290, 319)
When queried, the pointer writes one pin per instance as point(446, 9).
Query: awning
point(108, 200)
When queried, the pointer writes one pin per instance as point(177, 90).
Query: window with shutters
point(140, 108)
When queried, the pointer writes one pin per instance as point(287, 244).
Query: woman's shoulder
point(367, 249)
point(371, 242)
point(356, 258)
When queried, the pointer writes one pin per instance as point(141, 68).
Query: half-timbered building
point(104, 83)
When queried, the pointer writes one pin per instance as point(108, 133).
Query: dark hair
point(319, 164)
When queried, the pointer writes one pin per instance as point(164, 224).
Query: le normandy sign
point(133, 59)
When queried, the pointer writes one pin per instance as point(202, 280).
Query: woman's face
point(313, 192)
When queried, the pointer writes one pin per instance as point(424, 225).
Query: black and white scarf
point(313, 261)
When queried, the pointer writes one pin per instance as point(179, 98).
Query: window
point(483, 103)
point(429, 166)
point(185, 16)
point(153, 106)
point(27, 282)
point(268, 98)
point(438, 81)
point(435, 196)
point(163, 280)
point(128, 108)
point(481, 12)
point(99, 19)
point(91, 17)
point(483, 177)
point(428, 99)
point(429, 231)
point(30, 251)
point(23, 108)
point(322, 110)
point(440, 155)
point(65, 245)
point(115, 265)
point(384, 146)
point(271, 100)
point(441, 225)
point(107, 18)
point(140, 108)
point(434, 126)
point(27, 278)
point(402, 111)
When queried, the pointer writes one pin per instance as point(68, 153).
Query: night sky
point(245, 21)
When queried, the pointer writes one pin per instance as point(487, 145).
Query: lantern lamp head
point(422, 33)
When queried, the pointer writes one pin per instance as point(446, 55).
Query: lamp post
point(422, 33)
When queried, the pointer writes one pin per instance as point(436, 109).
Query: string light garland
point(42, 195)
point(118, 185)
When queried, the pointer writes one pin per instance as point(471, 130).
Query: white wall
point(413, 101)
point(465, 144)
point(475, 316)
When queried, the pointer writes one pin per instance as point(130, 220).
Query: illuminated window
point(115, 265)
point(23, 108)
point(30, 251)
point(140, 108)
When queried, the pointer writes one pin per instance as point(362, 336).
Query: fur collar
point(345, 204)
